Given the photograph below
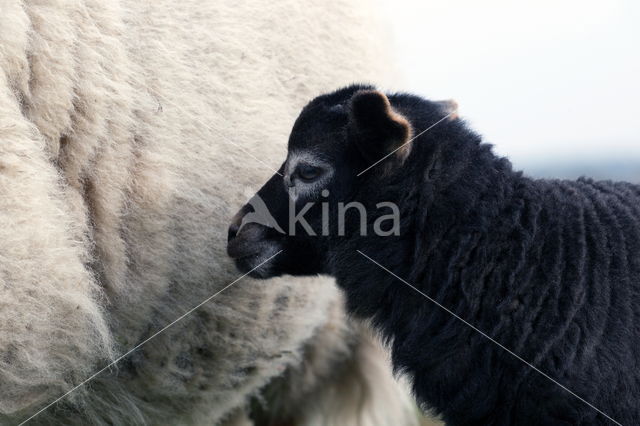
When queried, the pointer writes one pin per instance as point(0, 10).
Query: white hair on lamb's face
point(297, 187)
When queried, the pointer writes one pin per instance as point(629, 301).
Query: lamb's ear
point(449, 107)
point(376, 128)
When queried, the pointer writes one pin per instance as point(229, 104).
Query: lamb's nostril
point(233, 231)
point(234, 227)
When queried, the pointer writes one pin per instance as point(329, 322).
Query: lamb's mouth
point(239, 249)
point(250, 258)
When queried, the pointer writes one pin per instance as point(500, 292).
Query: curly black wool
point(548, 268)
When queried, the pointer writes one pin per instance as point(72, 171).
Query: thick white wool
point(130, 132)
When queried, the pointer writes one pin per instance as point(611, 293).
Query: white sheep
point(128, 130)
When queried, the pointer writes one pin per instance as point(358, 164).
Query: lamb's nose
point(233, 231)
point(234, 227)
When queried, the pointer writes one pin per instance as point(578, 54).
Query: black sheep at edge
point(548, 268)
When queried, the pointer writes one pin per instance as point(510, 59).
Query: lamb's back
point(580, 316)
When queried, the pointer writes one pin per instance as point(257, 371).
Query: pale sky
point(541, 80)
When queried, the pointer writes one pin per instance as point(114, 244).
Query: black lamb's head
point(345, 151)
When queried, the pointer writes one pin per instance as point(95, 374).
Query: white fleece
point(129, 131)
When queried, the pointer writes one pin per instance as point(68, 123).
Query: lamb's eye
point(308, 173)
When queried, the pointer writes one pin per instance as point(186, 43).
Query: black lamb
point(506, 299)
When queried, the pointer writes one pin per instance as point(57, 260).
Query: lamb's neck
point(466, 225)
point(461, 247)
